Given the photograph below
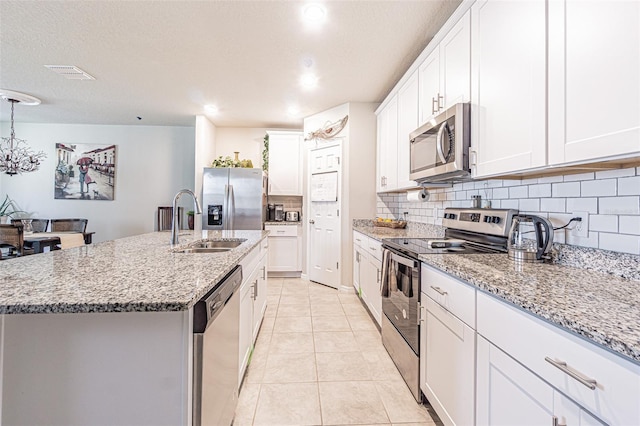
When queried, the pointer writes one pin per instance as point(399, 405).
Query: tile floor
point(319, 360)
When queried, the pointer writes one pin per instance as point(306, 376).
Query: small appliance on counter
point(530, 238)
point(271, 213)
point(279, 212)
point(292, 216)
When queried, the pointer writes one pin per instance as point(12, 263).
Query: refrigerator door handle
point(232, 207)
point(225, 208)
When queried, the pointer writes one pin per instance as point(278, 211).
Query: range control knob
point(487, 219)
point(495, 219)
point(449, 216)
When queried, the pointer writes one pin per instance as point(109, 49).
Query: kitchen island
point(101, 334)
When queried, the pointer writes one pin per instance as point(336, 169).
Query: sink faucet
point(174, 222)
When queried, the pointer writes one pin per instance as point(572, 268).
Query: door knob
point(312, 221)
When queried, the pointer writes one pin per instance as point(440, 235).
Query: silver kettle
point(530, 238)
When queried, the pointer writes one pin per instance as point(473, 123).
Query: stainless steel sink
point(208, 246)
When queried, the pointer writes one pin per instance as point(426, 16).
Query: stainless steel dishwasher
point(215, 353)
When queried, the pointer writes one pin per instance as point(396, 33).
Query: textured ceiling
point(164, 60)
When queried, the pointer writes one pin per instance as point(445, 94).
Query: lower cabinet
point(253, 302)
point(509, 394)
point(367, 272)
point(285, 255)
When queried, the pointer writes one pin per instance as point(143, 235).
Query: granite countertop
point(601, 307)
point(133, 274)
point(282, 223)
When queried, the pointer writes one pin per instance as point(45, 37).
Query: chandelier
point(15, 155)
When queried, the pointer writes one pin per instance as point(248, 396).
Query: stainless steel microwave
point(440, 148)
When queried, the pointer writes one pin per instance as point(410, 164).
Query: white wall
point(204, 152)
point(152, 164)
point(248, 141)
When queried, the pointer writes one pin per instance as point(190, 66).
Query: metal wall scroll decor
point(329, 130)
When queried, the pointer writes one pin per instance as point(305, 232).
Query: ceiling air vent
point(70, 72)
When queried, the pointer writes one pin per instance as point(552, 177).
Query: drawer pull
point(556, 422)
point(439, 290)
point(561, 365)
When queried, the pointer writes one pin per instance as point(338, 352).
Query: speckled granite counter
point(413, 230)
point(138, 273)
point(282, 223)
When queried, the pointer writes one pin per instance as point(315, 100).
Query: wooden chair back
point(69, 225)
point(12, 237)
point(165, 216)
point(38, 225)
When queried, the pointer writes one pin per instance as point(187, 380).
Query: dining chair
point(38, 225)
point(165, 216)
point(66, 225)
point(12, 241)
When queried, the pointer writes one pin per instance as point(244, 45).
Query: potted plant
point(8, 208)
point(190, 214)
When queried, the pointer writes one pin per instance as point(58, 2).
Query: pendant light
point(15, 155)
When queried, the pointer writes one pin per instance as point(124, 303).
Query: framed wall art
point(85, 172)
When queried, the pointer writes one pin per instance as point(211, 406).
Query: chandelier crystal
point(15, 155)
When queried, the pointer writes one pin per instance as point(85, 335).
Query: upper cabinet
point(508, 69)
point(407, 122)
point(387, 179)
point(285, 163)
point(594, 80)
point(445, 74)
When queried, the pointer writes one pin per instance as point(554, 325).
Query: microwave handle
point(441, 130)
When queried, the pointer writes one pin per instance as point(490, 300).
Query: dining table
point(39, 241)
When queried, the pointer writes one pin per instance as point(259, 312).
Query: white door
point(324, 216)
point(594, 88)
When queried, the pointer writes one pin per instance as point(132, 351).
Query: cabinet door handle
point(556, 422)
point(440, 97)
point(562, 366)
point(434, 105)
point(378, 275)
point(255, 289)
point(439, 290)
point(312, 221)
point(420, 318)
point(264, 272)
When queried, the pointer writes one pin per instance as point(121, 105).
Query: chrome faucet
point(174, 222)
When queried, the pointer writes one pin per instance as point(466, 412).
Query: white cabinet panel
point(285, 248)
point(407, 123)
point(455, 63)
point(429, 71)
point(245, 337)
point(259, 295)
point(508, 69)
point(594, 88)
point(285, 163)
point(387, 178)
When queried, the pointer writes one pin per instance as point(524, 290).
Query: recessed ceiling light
point(293, 111)
point(314, 13)
point(211, 109)
point(309, 81)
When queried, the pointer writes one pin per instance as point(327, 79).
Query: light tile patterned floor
point(319, 360)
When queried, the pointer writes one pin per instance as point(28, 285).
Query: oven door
point(401, 296)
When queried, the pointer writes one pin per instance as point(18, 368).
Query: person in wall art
point(83, 177)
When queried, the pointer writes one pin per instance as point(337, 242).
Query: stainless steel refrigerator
point(233, 198)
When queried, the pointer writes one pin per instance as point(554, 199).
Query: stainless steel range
point(468, 231)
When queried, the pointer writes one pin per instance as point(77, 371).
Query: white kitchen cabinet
point(285, 163)
point(508, 71)
point(445, 74)
point(387, 176)
point(253, 302)
point(357, 259)
point(447, 357)
point(368, 258)
point(594, 88)
point(285, 254)
point(407, 123)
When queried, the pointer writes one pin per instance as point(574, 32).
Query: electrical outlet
point(580, 229)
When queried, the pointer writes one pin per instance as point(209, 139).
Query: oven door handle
point(404, 261)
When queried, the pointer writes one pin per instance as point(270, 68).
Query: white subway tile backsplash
point(619, 205)
point(518, 192)
point(568, 189)
point(603, 223)
point(580, 176)
point(540, 190)
point(598, 188)
point(605, 174)
point(590, 241)
point(552, 204)
point(530, 205)
point(509, 204)
point(582, 204)
point(629, 225)
point(500, 193)
point(511, 182)
point(619, 242)
point(629, 186)
point(550, 179)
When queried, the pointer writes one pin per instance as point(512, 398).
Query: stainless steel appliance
point(292, 216)
point(440, 148)
point(530, 238)
point(467, 231)
point(279, 212)
point(233, 198)
point(271, 213)
point(215, 353)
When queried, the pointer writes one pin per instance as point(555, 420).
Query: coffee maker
point(271, 213)
point(279, 212)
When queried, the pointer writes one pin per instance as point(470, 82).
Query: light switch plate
point(581, 229)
